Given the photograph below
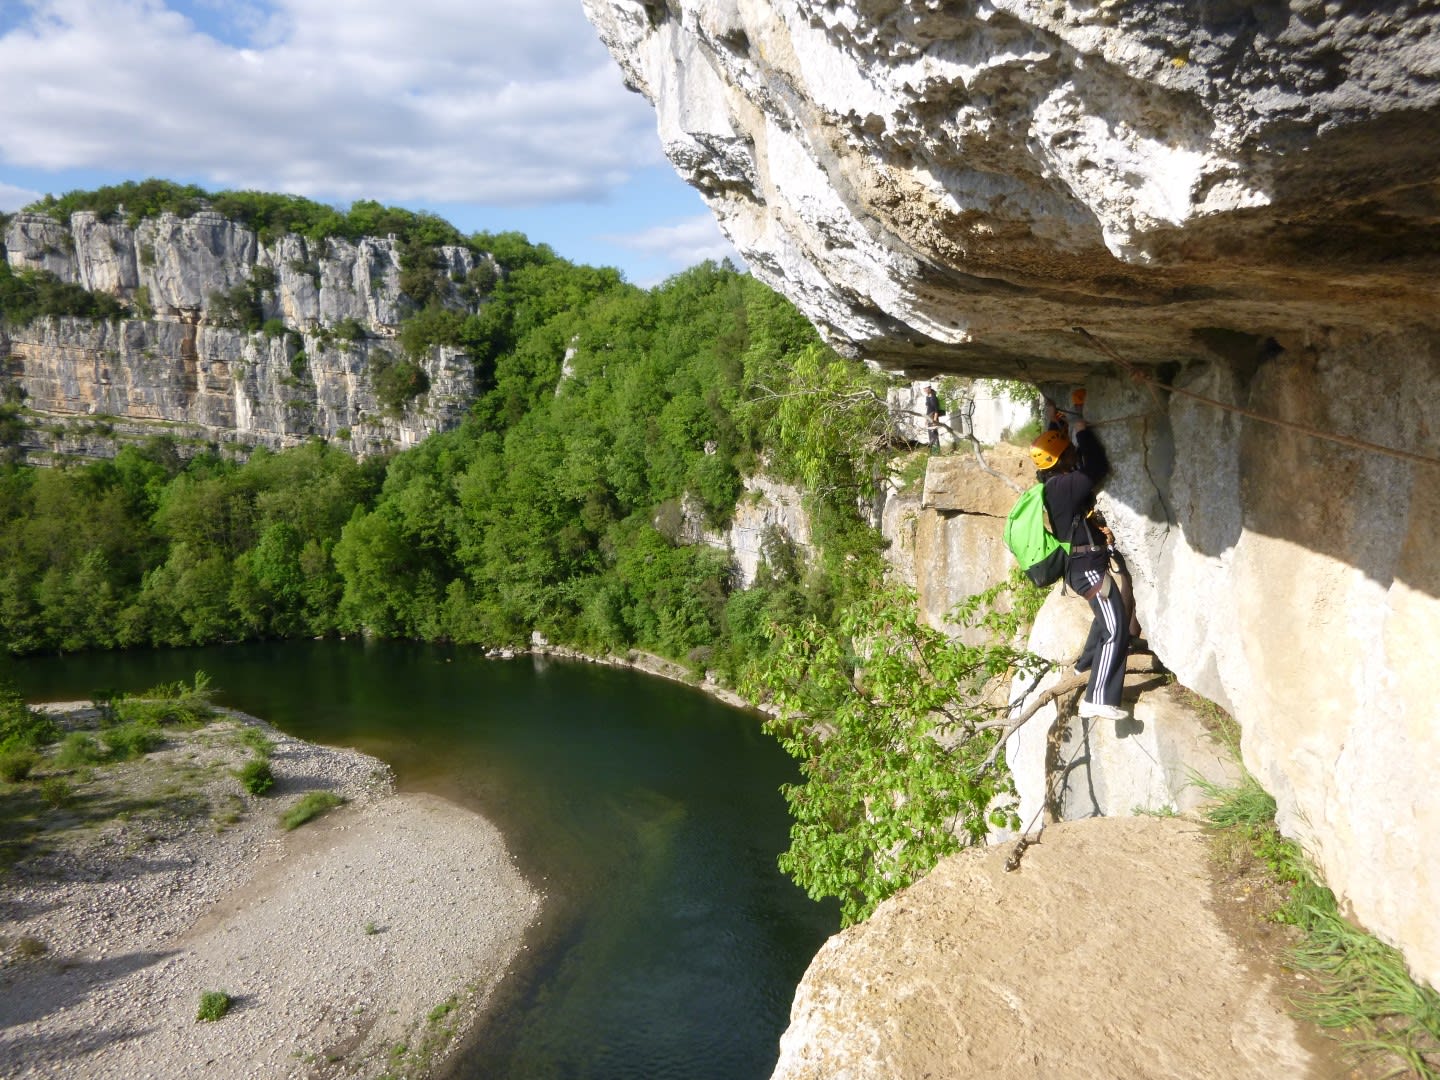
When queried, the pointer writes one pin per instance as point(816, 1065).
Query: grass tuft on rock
point(1365, 993)
point(308, 807)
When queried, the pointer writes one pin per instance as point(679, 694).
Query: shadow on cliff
point(1217, 474)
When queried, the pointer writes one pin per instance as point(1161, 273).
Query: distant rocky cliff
point(333, 308)
point(1239, 206)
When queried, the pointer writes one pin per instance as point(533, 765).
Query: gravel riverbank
point(359, 945)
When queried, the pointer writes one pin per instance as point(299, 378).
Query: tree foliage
point(270, 215)
point(26, 295)
point(609, 428)
point(896, 726)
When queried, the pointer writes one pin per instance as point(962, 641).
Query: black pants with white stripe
point(1106, 647)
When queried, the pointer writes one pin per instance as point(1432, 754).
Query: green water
point(648, 814)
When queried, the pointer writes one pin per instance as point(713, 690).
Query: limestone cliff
point(181, 370)
point(1240, 205)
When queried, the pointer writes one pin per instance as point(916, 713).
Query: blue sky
point(494, 114)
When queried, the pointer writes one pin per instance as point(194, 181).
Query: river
point(648, 813)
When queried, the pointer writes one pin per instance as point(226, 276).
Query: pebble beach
point(361, 944)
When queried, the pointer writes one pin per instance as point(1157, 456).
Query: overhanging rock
point(954, 187)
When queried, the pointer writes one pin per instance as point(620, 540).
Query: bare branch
point(1067, 685)
point(985, 466)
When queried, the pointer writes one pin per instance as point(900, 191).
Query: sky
point(496, 115)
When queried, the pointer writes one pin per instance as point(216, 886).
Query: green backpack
point(1028, 536)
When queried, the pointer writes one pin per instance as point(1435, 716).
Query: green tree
point(896, 726)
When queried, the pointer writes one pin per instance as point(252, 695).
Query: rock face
point(954, 187)
point(183, 371)
point(946, 537)
point(1237, 203)
point(1084, 962)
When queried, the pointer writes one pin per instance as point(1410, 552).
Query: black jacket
point(1069, 497)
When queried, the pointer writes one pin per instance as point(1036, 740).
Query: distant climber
point(1071, 469)
point(932, 417)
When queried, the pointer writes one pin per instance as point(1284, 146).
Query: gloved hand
point(1077, 406)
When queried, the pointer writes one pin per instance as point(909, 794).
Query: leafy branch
point(897, 727)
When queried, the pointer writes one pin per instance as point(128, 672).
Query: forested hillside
point(604, 414)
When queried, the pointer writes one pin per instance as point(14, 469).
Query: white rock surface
point(1103, 955)
point(226, 385)
point(954, 187)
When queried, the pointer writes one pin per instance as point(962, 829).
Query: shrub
point(256, 776)
point(397, 382)
point(309, 806)
point(57, 792)
point(132, 739)
point(213, 1005)
point(256, 740)
point(79, 748)
point(273, 327)
point(21, 726)
point(16, 763)
point(349, 329)
point(169, 703)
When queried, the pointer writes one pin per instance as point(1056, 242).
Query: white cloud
point(683, 243)
point(493, 102)
point(12, 198)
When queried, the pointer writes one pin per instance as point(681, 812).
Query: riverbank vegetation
point(58, 782)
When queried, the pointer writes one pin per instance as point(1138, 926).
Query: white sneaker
point(1104, 712)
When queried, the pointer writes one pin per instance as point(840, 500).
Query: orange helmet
point(1048, 448)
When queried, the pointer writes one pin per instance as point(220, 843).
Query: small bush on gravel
point(132, 739)
point(256, 740)
point(16, 763)
point(213, 1005)
point(176, 703)
point(79, 748)
point(309, 806)
point(256, 776)
point(57, 792)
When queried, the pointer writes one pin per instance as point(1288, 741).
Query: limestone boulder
point(986, 482)
point(1102, 955)
point(945, 535)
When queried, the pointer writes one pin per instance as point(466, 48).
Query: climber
point(932, 417)
point(1071, 469)
point(1059, 419)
